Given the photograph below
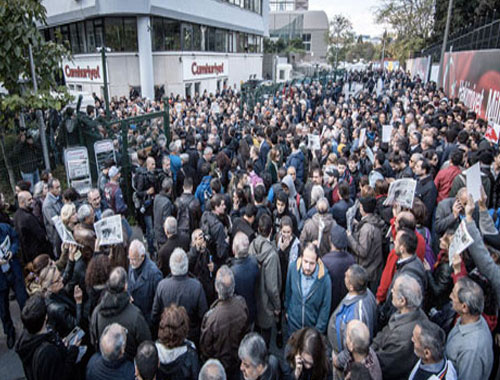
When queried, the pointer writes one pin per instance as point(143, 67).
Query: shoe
point(11, 340)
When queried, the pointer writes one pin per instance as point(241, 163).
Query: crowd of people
point(266, 256)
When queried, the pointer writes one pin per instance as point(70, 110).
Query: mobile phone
point(75, 335)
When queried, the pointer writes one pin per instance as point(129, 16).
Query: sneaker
point(11, 339)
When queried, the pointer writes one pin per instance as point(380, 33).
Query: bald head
point(150, 164)
point(25, 200)
point(406, 219)
point(113, 341)
point(358, 337)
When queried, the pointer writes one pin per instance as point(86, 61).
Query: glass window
point(172, 35)
point(75, 44)
point(129, 42)
point(220, 40)
point(187, 37)
point(80, 27)
point(99, 32)
point(89, 27)
point(196, 38)
point(210, 39)
point(114, 33)
point(306, 39)
point(158, 34)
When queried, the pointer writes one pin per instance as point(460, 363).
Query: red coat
point(444, 180)
point(390, 266)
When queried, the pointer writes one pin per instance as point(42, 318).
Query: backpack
point(184, 221)
point(204, 192)
point(343, 317)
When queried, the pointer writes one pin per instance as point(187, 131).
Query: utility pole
point(39, 114)
point(445, 41)
point(105, 78)
point(384, 36)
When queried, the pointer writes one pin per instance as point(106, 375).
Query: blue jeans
point(16, 283)
point(32, 178)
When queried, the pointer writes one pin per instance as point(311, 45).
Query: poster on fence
point(104, 150)
point(460, 241)
point(76, 163)
point(401, 192)
point(109, 230)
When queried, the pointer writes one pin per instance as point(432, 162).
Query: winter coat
point(310, 231)
point(313, 310)
point(394, 347)
point(51, 207)
point(183, 291)
point(179, 240)
point(296, 203)
point(162, 209)
point(445, 219)
point(339, 211)
point(337, 263)
point(188, 213)
point(246, 274)
point(32, 236)
point(366, 245)
point(296, 160)
point(63, 313)
point(99, 368)
point(222, 330)
point(214, 229)
point(178, 363)
point(427, 192)
point(269, 281)
point(15, 265)
point(202, 273)
point(361, 307)
point(440, 284)
point(45, 357)
point(447, 371)
point(142, 288)
point(444, 180)
point(117, 308)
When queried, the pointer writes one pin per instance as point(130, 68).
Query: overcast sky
point(360, 12)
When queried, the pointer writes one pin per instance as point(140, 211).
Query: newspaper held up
point(109, 230)
point(351, 214)
point(473, 182)
point(401, 192)
point(313, 142)
point(460, 241)
point(362, 136)
point(386, 133)
point(65, 234)
point(4, 252)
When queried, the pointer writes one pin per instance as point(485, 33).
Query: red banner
point(474, 78)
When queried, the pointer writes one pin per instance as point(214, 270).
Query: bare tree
point(341, 33)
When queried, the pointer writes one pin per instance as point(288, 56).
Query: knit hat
point(338, 237)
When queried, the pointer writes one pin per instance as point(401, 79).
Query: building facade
point(289, 5)
point(310, 26)
point(183, 46)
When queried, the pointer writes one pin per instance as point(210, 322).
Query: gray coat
point(269, 281)
point(446, 220)
point(469, 347)
point(51, 207)
point(366, 245)
point(362, 307)
point(310, 232)
point(162, 209)
point(394, 347)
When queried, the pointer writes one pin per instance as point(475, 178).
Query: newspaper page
point(473, 182)
point(109, 230)
point(4, 249)
point(386, 133)
point(401, 192)
point(362, 137)
point(351, 214)
point(460, 241)
point(313, 142)
point(370, 155)
point(65, 235)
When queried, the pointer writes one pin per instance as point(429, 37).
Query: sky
point(360, 12)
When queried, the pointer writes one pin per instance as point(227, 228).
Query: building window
point(306, 40)
point(282, 74)
point(187, 36)
point(121, 33)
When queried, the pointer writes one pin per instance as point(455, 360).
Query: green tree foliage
point(341, 35)
point(412, 22)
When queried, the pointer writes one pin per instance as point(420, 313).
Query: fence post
point(166, 121)
point(126, 165)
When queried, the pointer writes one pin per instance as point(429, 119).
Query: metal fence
point(482, 34)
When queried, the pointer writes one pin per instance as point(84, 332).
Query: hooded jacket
point(268, 281)
point(45, 357)
point(118, 308)
point(310, 232)
point(312, 310)
point(178, 363)
point(296, 204)
point(214, 229)
point(296, 160)
point(366, 245)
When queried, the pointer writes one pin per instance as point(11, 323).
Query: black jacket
point(440, 285)
point(118, 308)
point(179, 240)
point(32, 235)
point(63, 314)
point(214, 230)
point(180, 363)
point(188, 213)
point(45, 357)
point(427, 192)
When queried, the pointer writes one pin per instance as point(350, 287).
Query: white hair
point(179, 262)
point(138, 246)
